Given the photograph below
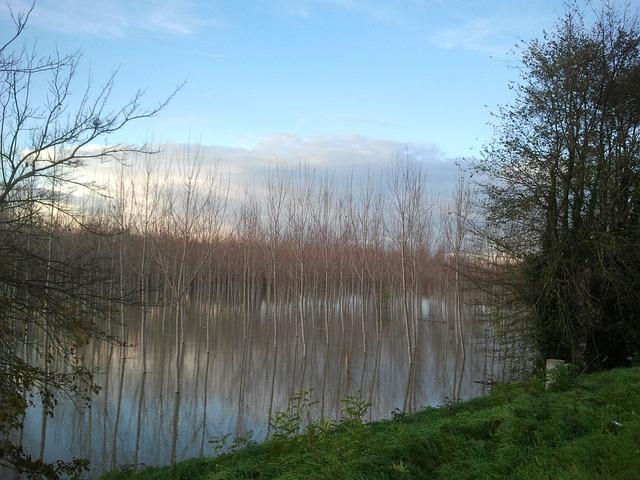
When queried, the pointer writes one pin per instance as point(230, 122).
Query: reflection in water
point(223, 369)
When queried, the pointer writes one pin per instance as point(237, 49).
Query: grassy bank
point(588, 427)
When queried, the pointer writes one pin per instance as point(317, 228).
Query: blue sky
point(421, 73)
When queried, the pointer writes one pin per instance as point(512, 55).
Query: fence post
point(550, 376)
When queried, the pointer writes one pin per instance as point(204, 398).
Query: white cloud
point(114, 18)
point(336, 155)
point(494, 36)
point(339, 156)
point(383, 11)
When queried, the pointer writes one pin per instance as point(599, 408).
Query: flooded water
point(223, 376)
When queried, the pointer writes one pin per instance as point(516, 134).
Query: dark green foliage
point(12, 406)
point(563, 188)
point(521, 431)
point(563, 377)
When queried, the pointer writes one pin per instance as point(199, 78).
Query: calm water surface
point(227, 368)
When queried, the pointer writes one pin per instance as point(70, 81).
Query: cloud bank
point(339, 157)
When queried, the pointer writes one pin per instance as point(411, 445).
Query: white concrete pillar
point(550, 374)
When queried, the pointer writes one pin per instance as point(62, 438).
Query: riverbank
point(588, 427)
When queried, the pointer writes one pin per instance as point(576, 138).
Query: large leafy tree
point(49, 302)
point(562, 185)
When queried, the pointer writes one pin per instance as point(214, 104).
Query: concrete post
point(552, 365)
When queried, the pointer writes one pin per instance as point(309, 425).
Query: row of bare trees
point(308, 252)
point(174, 237)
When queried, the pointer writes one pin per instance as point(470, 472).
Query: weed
point(398, 415)
point(219, 443)
point(400, 467)
point(242, 441)
point(354, 409)
point(289, 422)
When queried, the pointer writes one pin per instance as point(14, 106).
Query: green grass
point(588, 430)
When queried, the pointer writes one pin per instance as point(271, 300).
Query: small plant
point(242, 441)
point(398, 415)
point(285, 424)
point(219, 443)
point(451, 405)
point(325, 426)
point(400, 467)
point(354, 409)
point(320, 428)
point(288, 423)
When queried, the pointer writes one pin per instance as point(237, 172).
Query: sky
point(313, 77)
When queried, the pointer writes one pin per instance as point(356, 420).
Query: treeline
point(322, 254)
point(166, 233)
point(306, 242)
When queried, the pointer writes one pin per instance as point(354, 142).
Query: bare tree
point(407, 196)
point(456, 230)
point(43, 140)
point(276, 198)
